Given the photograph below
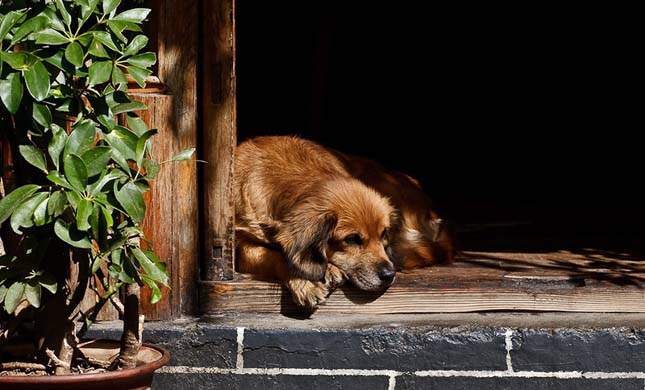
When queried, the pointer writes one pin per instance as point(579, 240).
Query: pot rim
point(142, 370)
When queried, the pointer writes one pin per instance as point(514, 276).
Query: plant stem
point(132, 328)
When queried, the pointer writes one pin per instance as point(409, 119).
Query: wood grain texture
point(176, 35)
point(219, 136)
point(159, 223)
point(478, 282)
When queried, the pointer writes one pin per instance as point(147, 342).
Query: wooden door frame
point(219, 136)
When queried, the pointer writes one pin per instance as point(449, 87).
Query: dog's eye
point(354, 239)
point(384, 235)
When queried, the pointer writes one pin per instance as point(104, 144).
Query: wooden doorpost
point(219, 129)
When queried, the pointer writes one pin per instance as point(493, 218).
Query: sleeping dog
point(313, 218)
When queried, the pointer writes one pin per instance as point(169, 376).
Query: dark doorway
point(522, 116)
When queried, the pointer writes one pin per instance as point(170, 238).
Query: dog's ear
point(304, 237)
point(393, 233)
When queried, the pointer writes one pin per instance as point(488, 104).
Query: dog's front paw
point(307, 293)
point(334, 277)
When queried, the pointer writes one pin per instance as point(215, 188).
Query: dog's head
point(345, 223)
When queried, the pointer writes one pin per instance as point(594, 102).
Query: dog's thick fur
point(313, 218)
point(422, 238)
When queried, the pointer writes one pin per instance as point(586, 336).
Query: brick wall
point(397, 357)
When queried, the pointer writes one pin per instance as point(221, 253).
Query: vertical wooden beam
point(219, 136)
point(177, 47)
point(159, 224)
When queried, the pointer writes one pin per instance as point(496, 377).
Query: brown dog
point(303, 219)
point(422, 237)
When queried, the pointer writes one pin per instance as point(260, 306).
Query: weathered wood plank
point(219, 136)
point(161, 201)
point(463, 287)
point(174, 32)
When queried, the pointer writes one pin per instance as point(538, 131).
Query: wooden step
point(478, 281)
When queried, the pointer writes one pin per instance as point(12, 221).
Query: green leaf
point(9, 20)
point(67, 18)
point(184, 155)
point(75, 172)
point(74, 54)
point(58, 179)
point(152, 169)
point(139, 74)
point(141, 146)
point(96, 159)
point(82, 138)
point(136, 15)
point(11, 92)
point(42, 114)
point(112, 175)
point(106, 39)
point(54, 20)
point(124, 141)
point(57, 144)
point(83, 213)
point(14, 296)
point(128, 107)
point(86, 9)
point(33, 293)
point(143, 60)
point(136, 124)
point(137, 43)
point(34, 24)
point(152, 269)
point(100, 72)
point(118, 76)
point(58, 60)
point(131, 199)
point(73, 198)
point(33, 156)
point(37, 80)
point(48, 282)
point(40, 214)
point(69, 234)
point(85, 39)
point(110, 5)
point(107, 216)
point(106, 121)
point(50, 37)
point(117, 27)
point(56, 204)
point(155, 295)
point(23, 215)
point(3, 291)
point(20, 60)
point(94, 221)
point(10, 202)
point(96, 264)
point(97, 49)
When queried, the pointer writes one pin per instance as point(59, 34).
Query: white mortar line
point(276, 371)
point(391, 384)
point(392, 374)
point(509, 347)
point(239, 362)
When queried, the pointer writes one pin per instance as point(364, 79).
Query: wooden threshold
point(585, 281)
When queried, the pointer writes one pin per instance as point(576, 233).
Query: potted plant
point(81, 162)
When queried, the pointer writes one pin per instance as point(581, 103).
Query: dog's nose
point(386, 274)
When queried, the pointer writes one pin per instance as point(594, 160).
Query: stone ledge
point(492, 351)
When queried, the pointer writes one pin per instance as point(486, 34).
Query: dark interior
point(520, 122)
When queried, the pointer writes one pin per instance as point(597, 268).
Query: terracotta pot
point(140, 378)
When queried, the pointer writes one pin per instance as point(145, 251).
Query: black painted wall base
point(262, 353)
